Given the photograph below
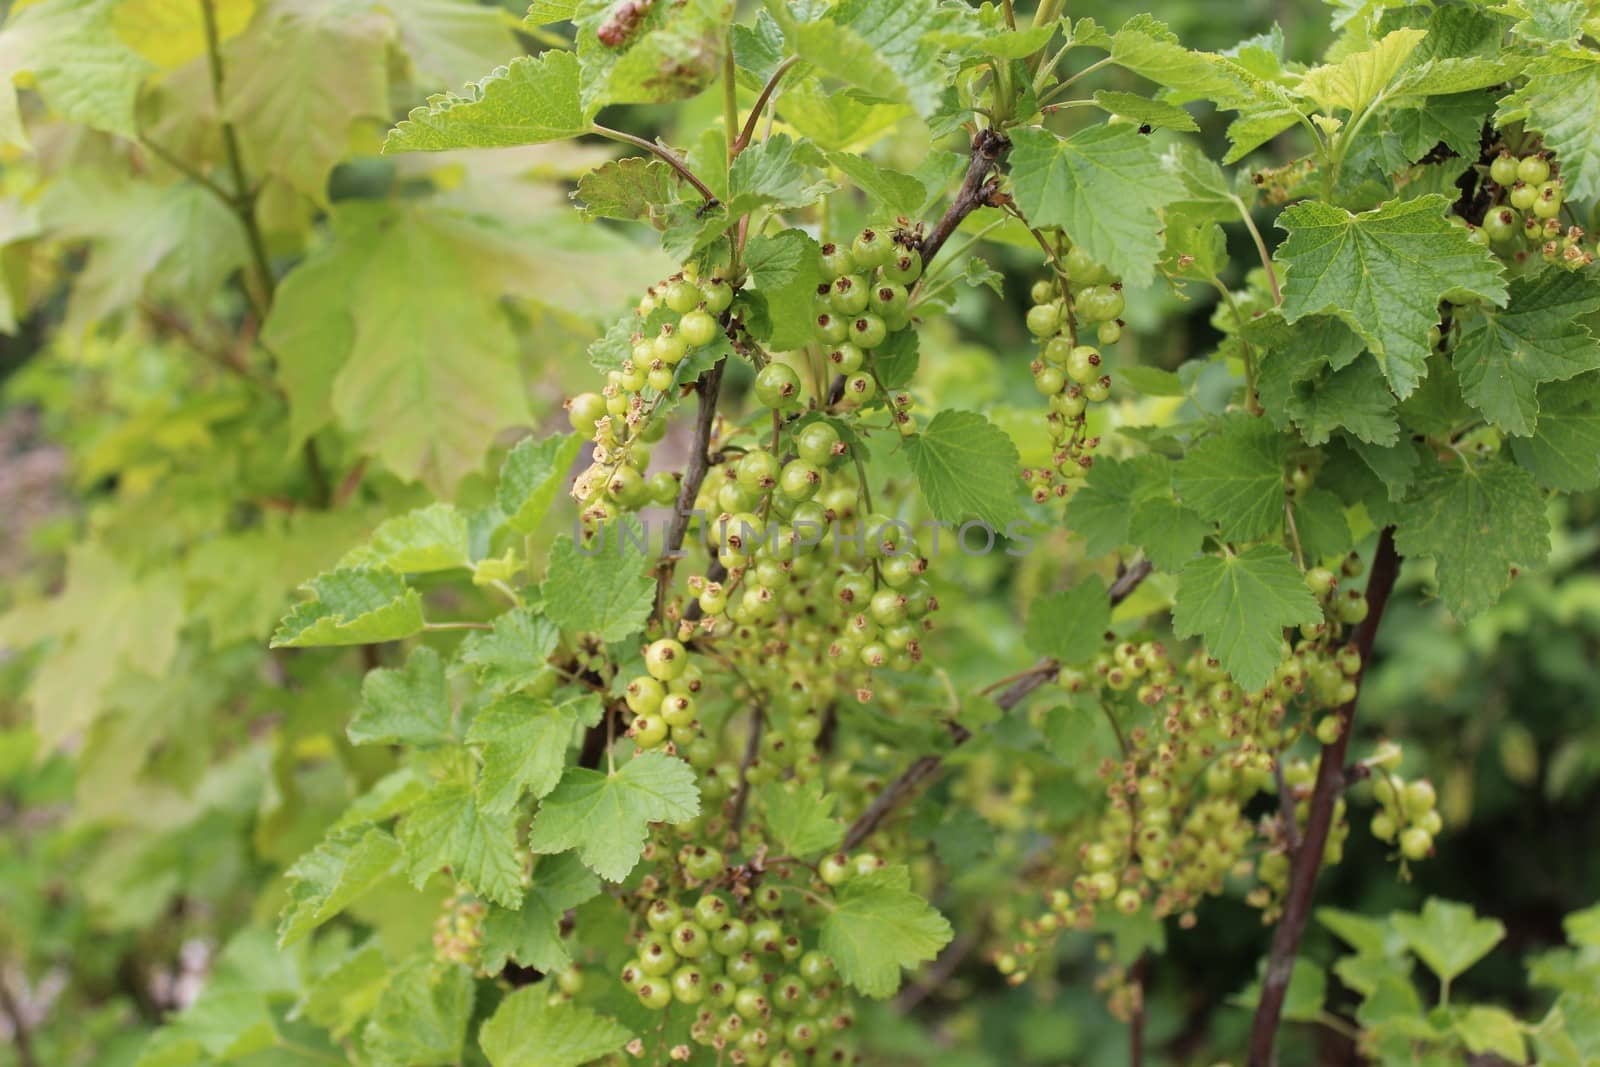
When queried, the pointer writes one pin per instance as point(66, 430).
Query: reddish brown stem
point(977, 190)
point(1319, 821)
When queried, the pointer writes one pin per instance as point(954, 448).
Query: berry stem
point(1307, 859)
point(747, 134)
point(1261, 250)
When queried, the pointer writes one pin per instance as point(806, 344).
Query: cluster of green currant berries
point(1071, 372)
point(1526, 213)
point(621, 418)
point(1408, 814)
point(663, 698)
point(759, 995)
point(863, 301)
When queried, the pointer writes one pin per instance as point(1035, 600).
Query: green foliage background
point(235, 407)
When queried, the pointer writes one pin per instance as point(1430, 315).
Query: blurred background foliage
point(159, 769)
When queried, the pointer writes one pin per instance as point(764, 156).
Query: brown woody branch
point(1319, 821)
point(709, 388)
point(906, 786)
point(977, 190)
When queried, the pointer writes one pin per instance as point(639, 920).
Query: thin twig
point(21, 1038)
point(752, 749)
point(1261, 250)
point(1291, 830)
point(709, 388)
point(928, 984)
point(1137, 975)
point(988, 149)
point(667, 155)
point(905, 786)
point(749, 131)
point(1319, 821)
point(244, 201)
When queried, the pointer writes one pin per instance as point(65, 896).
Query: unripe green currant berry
point(1043, 291)
point(653, 431)
point(1383, 827)
point(777, 385)
point(1320, 580)
point(846, 358)
point(1049, 380)
point(718, 296)
point(1081, 269)
point(850, 295)
point(1099, 303)
point(1416, 843)
point(712, 912)
point(803, 1035)
point(649, 731)
point(584, 410)
point(1548, 204)
point(1431, 821)
point(697, 328)
point(1524, 195)
point(1329, 727)
point(832, 329)
point(626, 487)
point(765, 935)
point(1353, 608)
point(663, 915)
point(689, 984)
point(656, 957)
point(868, 330)
point(663, 487)
point(666, 659)
point(745, 967)
point(769, 898)
point(703, 863)
point(678, 709)
point(815, 968)
point(866, 862)
point(690, 941)
point(815, 443)
point(1098, 857)
point(758, 469)
point(837, 260)
point(1044, 319)
point(1503, 171)
point(1129, 902)
point(887, 607)
point(890, 302)
point(859, 389)
point(631, 377)
point(1083, 364)
point(659, 379)
point(1420, 798)
point(731, 939)
point(655, 994)
point(1534, 169)
point(1057, 350)
point(835, 870)
point(1099, 390)
point(1109, 333)
point(800, 480)
point(871, 249)
point(670, 346)
point(1301, 478)
point(904, 267)
point(683, 296)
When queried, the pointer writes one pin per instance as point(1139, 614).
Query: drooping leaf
point(434, 538)
point(531, 100)
point(785, 270)
point(449, 827)
point(1240, 604)
point(404, 706)
point(531, 479)
point(606, 816)
point(602, 588)
point(531, 934)
point(879, 926)
point(1383, 272)
point(800, 818)
point(1448, 937)
point(513, 654)
point(1104, 186)
point(421, 1017)
point(1477, 521)
point(1564, 452)
point(331, 876)
point(1235, 479)
point(524, 743)
point(965, 465)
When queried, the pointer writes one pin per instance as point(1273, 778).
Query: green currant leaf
point(1234, 478)
point(434, 538)
point(544, 12)
point(1564, 451)
point(1356, 80)
point(785, 270)
point(1503, 356)
point(449, 827)
point(1070, 626)
point(606, 816)
point(1104, 186)
point(896, 360)
point(531, 934)
point(513, 655)
point(1170, 534)
point(531, 478)
point(1145, 111)
point(298, 80)
point(408, 706)
point(1305, 1000)
point(352, 607)
point(668, 52)
point(886, 48)
point(775, 173)
point(330, 877)
point(531, 100)
point(421, 1017)
point(894, 193)
point(450, 42)
point(1560, 98)
point(1484, 1029)
point(1477, 520)
point(1547, 22)
point(84, 70)
point(1240, 604)
point(1448, 937)
point(800, 817)
point(528, 1030)
point(877, 927)
point(1102, 511)
point(340, 998)
point(603, 589)
point(1148, 48)
point(1354, 398)
point(633, 189)
point(1207, 192)
point(1320, 522)
point(965, 465)
point(1384, 273)
point(524, 743)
